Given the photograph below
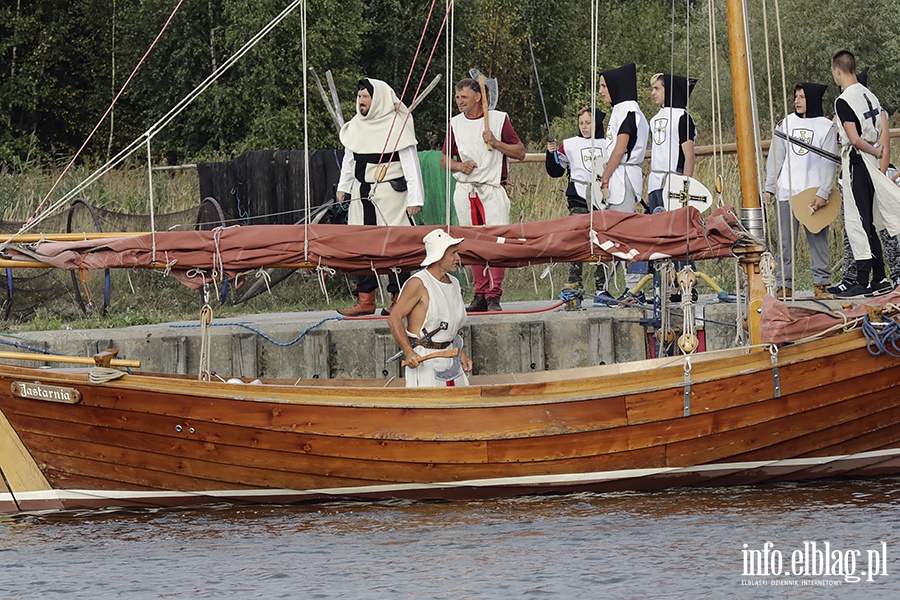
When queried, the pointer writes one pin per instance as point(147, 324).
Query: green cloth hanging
point(434, 179)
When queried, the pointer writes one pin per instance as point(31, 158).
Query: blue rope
point(569, 294)
point(263, 335)
point(29, 348)
point(878, 338)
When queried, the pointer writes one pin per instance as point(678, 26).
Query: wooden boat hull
point(818, 410)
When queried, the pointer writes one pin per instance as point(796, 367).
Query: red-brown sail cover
point(358, 249)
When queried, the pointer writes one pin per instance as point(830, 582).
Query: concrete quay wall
point(359, 348)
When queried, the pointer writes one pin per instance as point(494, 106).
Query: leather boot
point(387, 311)
point(820, 292)
point(493, 304)
point(479, 304)
point(365, 305)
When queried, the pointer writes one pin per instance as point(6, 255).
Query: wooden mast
point(751, 211)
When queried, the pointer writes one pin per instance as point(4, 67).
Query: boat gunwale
point(547, 387)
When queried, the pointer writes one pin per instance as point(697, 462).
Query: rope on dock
point(260, 333)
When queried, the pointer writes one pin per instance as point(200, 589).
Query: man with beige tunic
point(381, 176)
point(430, 299)
point(479, 158)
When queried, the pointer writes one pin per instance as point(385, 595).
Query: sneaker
point(493, 304)
point(629, 298)
point(854, 291)
point(572, 295)
point(843, 286)
point(604, 298)
point(882, 287)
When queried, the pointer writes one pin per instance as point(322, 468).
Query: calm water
point(676, 544)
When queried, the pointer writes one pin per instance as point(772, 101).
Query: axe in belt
point(426, 337)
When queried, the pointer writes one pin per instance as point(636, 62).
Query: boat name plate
point(40, 391)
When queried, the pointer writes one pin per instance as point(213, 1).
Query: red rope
point(108, 110)
point(409, 76)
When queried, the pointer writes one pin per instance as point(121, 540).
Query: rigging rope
point(161, 123)
point(405, 86)
point(103, 118)
point(448, 113)
point(595, 11)
point(307, 195)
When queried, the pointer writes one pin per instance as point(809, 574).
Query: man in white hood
point(381, 176)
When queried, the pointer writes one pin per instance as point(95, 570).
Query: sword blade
point(814, 149)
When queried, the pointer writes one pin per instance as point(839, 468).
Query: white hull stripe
point(572, 479)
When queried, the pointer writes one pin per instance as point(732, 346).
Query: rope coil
point(882, 336)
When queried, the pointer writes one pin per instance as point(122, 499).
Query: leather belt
point(429, 345)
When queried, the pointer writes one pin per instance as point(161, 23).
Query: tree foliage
point(62, 63)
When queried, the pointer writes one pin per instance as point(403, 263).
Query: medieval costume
point(669, 129)
point(789, 173)
point(381, 174)
point(625, 184)
point(480, 196)
point(582, 158)
point(445, 315)
point(871, 200)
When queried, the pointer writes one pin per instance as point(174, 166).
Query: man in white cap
point(380, 175)
point(431, 302)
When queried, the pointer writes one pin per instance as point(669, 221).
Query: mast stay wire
point(779, 233)
point(307, 190)
point(449, 95)
point(595, 11)
point(108, 111)
point(406, 86)
point(160, 124)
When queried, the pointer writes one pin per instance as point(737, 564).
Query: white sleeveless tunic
point(445, 303)
point(484, 180)
point(627, 180)
point(803, 169)
point(585, 158)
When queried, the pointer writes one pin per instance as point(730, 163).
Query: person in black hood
point(582, 158)
point(791, 169)
point(627, 134)
point(673, 132)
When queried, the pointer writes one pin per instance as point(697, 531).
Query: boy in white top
point(672, 131)
point(627, 134)
point(791, 169)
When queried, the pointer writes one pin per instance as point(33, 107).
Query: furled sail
point(360, 249)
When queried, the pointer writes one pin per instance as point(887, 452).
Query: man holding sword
point(431, 302)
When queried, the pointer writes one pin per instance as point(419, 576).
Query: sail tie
point(322, 273)
point(767, 271)
point(263, 274)
point(378, 279)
